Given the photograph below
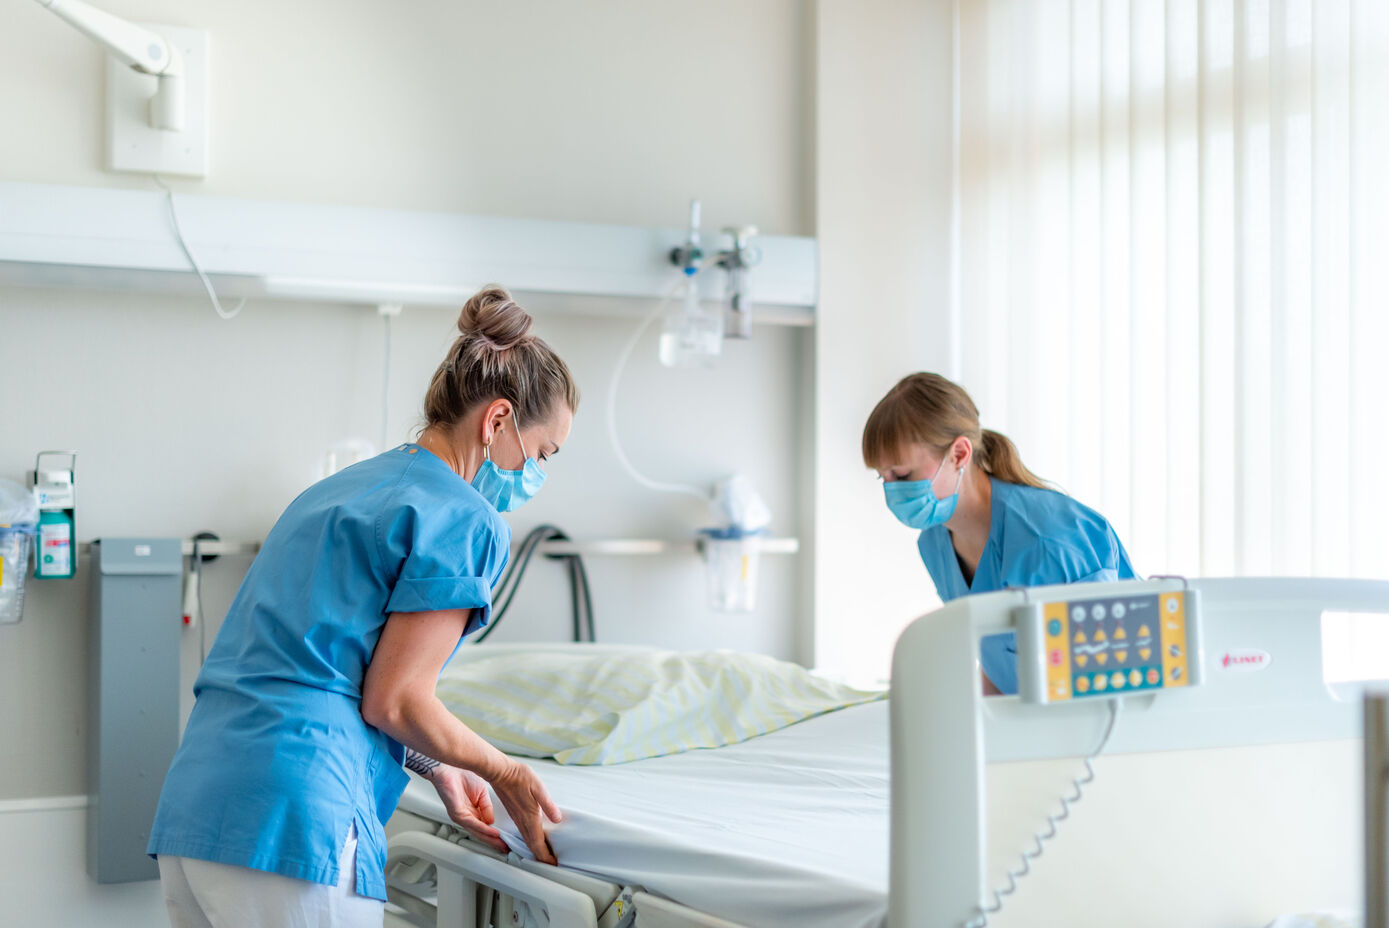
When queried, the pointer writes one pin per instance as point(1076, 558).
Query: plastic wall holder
point(134, 699)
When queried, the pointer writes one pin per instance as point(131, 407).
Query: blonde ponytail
point(998, 457)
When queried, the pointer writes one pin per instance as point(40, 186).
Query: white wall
point(187, 423)
point(883, 200)
point(610, 112)
point(602, 111)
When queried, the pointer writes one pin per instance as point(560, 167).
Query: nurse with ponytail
point(986, 521)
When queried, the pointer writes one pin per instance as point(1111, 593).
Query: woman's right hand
point(521, 792)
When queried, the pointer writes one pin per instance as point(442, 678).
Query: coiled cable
point(1078, 784)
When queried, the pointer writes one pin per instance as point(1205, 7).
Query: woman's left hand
point(469, 804)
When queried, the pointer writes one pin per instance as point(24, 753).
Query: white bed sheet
point(786, 829)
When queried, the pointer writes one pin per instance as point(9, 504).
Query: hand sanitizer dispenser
point(52, 483)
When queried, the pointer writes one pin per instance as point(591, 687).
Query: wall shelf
point(649, 546)
point(109, 239)
point(602, 547)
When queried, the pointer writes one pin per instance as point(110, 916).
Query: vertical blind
point(1172, 281)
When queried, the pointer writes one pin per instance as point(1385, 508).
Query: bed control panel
point(1108, 647)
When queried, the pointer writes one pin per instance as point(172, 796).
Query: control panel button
point(1144, 653)
point(1135, 678)
point(1098, 612)
point(1117, 610)
point(1100, 635)
point(1176, 673)
point(1173, 604)
point(1101, 682)
point(1144, 632)
point(1120, 634)
point(1120, 656)
point(1102, 658)
point(1078, 614)
point(1055, 658)
point(1153, 676)
point(1082, 660)
point(1079, 638)
point(1116, 680)
point(1175, 650)
point(1082, 684)
point(1054, 627)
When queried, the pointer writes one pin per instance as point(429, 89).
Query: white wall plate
point(132, 144)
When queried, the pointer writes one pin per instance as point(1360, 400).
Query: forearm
point(426, 727)
point(421, 763)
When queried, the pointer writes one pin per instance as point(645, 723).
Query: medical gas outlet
point(692, 334)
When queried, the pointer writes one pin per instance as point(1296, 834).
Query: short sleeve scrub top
point(276, 762)
point(1037, 537)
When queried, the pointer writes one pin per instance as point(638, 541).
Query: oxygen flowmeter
point(1107, 647)
point(52, 483)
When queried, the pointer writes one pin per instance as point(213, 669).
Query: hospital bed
point(1234, 803)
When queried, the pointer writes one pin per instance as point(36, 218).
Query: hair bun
point(492, 316)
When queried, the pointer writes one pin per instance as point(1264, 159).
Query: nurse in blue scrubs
point(319, 689)
point(986, 521)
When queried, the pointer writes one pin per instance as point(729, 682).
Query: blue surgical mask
point(914, 502)
point(506, 490)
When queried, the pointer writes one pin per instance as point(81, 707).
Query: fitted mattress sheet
point(785, 829)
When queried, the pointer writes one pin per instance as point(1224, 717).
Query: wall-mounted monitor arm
point(145, 51)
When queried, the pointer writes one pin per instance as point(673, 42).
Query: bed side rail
point(540, 901)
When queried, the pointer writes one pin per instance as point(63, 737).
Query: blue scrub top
point(1036, 537)
point(276, 762)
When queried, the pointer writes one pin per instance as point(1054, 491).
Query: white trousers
point(203, 894)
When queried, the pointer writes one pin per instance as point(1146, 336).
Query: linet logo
point(1246, 659)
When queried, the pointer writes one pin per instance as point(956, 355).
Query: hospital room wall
point(185, 422)
point(884, 154)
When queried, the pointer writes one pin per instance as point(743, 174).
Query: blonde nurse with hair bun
point(986, 521)
point(318, 692)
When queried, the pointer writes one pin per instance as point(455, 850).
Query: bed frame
point(1377, 809)
point(943, 759)
point(437, 875)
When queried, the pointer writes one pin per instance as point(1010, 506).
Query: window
point(1173, 269)
point(1354, 646)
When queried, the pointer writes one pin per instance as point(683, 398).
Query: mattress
point(786, 829)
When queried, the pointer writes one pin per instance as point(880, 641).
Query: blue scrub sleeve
point(429, 594)
point(998, 658)
point(445, 562)
point(1043, 565)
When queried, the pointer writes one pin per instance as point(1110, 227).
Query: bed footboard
point(946, 735)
